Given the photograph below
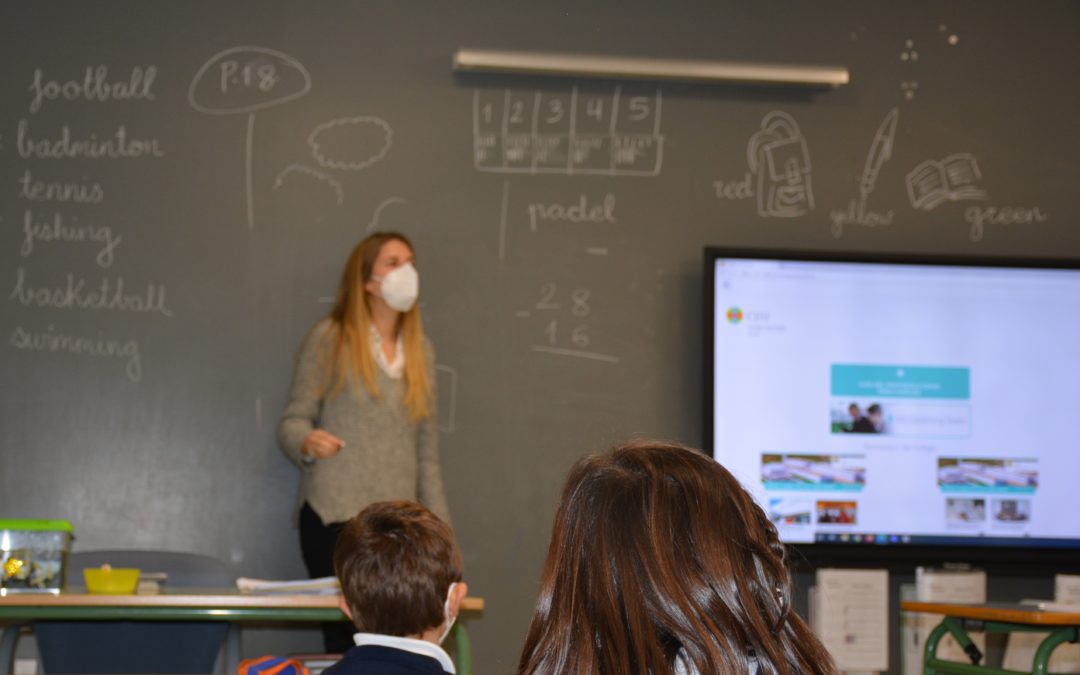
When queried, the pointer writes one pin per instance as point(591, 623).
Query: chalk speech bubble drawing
point(350, 143)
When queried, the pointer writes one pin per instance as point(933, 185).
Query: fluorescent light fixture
point(635, 68)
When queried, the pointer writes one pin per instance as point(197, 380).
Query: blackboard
point(183, 182)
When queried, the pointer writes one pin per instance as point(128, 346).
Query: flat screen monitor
point(898, 401)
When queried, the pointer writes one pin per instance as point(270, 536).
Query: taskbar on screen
point(879, 539)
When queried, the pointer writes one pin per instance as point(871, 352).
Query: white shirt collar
point(421, 647)
point(395, 368)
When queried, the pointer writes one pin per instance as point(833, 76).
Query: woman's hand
point(321, 444)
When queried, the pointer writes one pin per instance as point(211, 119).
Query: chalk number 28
point(579, 307)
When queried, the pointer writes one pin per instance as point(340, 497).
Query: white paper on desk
point(1067, 589)
point(320, 586)
point(911, 654)
point(1020, 651)
point(934, 585)
point(852, 617)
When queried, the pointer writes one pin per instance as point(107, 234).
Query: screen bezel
point(903, 555)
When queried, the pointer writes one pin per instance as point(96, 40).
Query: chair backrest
point(130, 646)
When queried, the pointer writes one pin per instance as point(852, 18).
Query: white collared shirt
point(421, 647)
point(395, 368)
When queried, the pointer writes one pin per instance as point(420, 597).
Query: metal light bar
point(680, 70)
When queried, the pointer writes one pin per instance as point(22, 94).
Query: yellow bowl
point(115, 581)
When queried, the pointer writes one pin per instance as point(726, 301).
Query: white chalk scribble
point(339, 192)
point(350, 143)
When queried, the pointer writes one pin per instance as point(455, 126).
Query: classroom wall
point(256, 142)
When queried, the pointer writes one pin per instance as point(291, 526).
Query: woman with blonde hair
point(361, 418)
point(660, 563)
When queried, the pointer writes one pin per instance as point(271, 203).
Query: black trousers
point(317, 543)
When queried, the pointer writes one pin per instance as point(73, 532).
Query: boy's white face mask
point(400, 288)
point(449, 620)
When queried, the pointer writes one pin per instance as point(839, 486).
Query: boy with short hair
point(400, 571)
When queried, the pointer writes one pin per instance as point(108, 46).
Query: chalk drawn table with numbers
point(612, 134)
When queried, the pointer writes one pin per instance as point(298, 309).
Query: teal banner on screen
point(879, 381)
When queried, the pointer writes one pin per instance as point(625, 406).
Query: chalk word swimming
point(99, 347)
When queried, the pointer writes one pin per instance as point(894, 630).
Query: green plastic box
point(33, 555)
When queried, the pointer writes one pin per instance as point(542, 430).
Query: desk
point(1063, 626)
point(193, 604)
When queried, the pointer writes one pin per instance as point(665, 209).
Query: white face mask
point(449, 620)
point(400, 287)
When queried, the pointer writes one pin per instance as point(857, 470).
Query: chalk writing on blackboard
point(78, 192)
point(117, 145)
point(301, 170)
point(50, 340)
point(50, 195)
point(350, 143)
point(565, 330)
point(243, 80)
point(734, 189)
point(95, 87)
point(981, 216)
point(447, 386)
point(247, 79)
point(111, 294)
point(881, 150)
point(839, 218)
point(581, 211)
point(951, 179)
point(778, 156)
point(56, 228)
point(374, 223)
point(567, 133)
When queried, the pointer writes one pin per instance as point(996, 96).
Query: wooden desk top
point(1008, 613)
point(203, 598)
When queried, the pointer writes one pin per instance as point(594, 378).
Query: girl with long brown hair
point(360, 422)
point(660, 563)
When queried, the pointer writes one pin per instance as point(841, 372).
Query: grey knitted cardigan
point(387, 455)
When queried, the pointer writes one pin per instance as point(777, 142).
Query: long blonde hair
point(352, 322)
